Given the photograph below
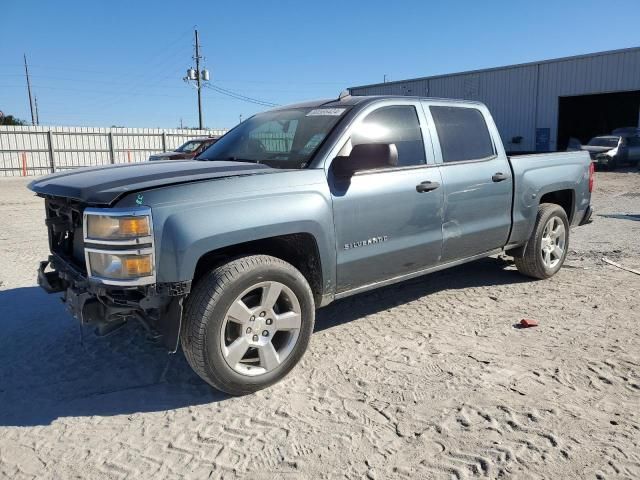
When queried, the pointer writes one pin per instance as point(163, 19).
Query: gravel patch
point(426, 379)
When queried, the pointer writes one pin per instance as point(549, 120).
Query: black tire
point(530, 262)
point(208, 305)
point(613, 164)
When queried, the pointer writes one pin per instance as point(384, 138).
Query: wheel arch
point(298, 249)
point(566, 198)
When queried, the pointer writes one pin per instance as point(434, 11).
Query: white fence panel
point(29, 150)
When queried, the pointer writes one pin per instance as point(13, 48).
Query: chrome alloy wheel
point(261, 328)
point(554, 240)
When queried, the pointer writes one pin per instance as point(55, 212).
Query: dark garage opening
point(586, 116)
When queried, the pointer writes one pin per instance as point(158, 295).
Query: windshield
point(280, 138)
point(190, 146)
point(604, 142)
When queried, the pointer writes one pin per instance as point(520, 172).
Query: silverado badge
point(362, 243)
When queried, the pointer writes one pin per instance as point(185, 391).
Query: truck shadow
point(484, 272)
point(47, 373)
point(621, 216)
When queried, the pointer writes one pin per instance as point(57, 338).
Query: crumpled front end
point(103, 262)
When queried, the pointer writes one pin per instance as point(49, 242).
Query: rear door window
point(463, 133)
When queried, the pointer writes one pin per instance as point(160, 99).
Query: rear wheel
point(247, 323)
point(547, 248)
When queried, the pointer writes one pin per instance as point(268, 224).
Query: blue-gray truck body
point(347, 235)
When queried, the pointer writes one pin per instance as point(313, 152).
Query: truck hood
point(104, 185)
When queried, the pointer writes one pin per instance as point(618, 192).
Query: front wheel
point(547, 248)
point(247, 323)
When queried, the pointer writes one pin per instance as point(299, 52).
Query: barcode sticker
point(331, 112)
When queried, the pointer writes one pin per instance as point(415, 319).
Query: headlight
point(119, 266)
point(119, 245)
point(103, 227)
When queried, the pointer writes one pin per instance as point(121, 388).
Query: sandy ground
point(427, 379)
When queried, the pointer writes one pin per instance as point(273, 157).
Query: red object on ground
point(527, 322)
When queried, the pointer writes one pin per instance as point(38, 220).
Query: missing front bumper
point(158, 307)
point(49, 281)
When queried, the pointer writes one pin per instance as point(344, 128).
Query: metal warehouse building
point(538, 106)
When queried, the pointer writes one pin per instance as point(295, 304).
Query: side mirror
point(366, 156)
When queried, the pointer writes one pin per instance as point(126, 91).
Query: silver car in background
point(610, 151)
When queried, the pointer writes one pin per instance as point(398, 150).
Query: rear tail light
point(592, 169)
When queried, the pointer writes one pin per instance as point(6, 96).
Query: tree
point(11, 120)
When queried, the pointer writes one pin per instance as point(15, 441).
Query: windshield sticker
point(330, 112)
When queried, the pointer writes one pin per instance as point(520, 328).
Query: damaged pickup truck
point(229, 256)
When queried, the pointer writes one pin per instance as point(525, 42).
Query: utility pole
point(35, 100)
point(26, 71)
point(197, 59)
point(199, 76)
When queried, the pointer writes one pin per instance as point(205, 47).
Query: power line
point(135, 93)
point(159, 61)
point(239, 96)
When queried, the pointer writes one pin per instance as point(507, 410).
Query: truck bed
point(534, 175)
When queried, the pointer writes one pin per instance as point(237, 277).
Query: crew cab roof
point(351, 100)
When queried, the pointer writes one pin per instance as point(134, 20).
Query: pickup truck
point(230, 255)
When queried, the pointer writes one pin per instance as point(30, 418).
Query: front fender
point(186, 238)
point(192, 220)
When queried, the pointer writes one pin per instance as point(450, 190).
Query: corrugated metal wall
point(511, 92)
point(40, 150)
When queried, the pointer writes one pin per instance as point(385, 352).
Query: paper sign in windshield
point(331, 112)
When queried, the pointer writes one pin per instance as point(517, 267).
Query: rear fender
point(533, 183)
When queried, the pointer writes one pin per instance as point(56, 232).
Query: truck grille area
point(64, 223)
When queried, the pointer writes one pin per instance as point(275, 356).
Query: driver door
point(386, 225)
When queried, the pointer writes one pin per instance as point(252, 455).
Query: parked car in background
point(187, 150)
point(610, 151)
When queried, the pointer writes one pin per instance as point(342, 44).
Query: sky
point(104, 63)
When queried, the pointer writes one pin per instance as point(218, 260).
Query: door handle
point(499, 177)
point(426, 186)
